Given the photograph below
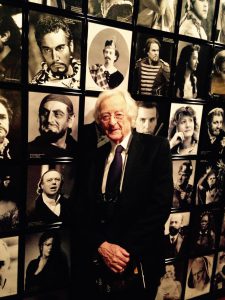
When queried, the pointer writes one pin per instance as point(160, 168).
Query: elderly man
point(107, 76)
point(56, 117)
point(55, 42)
point(130, 199)
point(5, 118)
point(147, 117)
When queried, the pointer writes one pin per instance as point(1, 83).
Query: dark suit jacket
point(143, 206)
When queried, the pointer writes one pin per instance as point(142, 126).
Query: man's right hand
point(114, 256)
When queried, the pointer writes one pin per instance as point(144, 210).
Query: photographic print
point(72, 5)
point(52, 125)
point(54, 50)
point(220, 26)
point(108, 57)
point(219, 278)
point(218, 72)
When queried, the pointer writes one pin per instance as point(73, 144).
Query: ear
point(5, 36)
point(70, 121)
point(71, 46)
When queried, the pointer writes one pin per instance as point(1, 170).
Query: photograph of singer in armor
point(157, 14)
point(153, 57)
point(183, 178)
point(54, 50)
point(199, 275)
point(49, 194)
point(176, 234)
point(72, 5)
point(184, 128)
point(197, 18)
point(219, 278)
point(10, 127)
point(118, 10)
point(9, 197)
point(8, 266)
point(222, 233)
point(191, 80)
point(220, 25)
point(210, 180)
point(47, 261)
point(170, 287)
point(218, 72)
point(108, 57)
point(52, 125)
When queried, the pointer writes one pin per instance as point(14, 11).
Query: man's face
point(109, 55)
point(204, 222)
point(182, 178)
point(186, 125)
point(153, 53)
point(4, 122)
point(113, 118)
point(47, 247)
point(175, 224)
point(211, 180)
point(216, 125)
point(55, 119)
point(56, 52)
point(51, 183)
point(198, 272)
point(200, 8)
point(146, 120)
point(193, 62)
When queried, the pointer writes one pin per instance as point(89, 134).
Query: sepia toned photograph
point(220, 25)
point(197, 19)
point(184, 128)
point(108, 57)
point(54, 50)
point(47, 256)
point(219, 278)
point(8, 266)
point(11, 45)
point(118, 10)
point(72, 5)
point(52, 125)
point(183, 178)
point(159, 15)
point(218, 72)
point(199, 275)
point(49, 193)
point(152, 65)
point(175, 234)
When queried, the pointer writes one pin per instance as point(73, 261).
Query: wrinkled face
point(146, 120)
point(113, 118)
point(193, 62)
point(204, 222)
point(109, 55)
point(47, 247)
point(153, 53)
point(198, 272)
point(211, 179)
point(186, 125)
point(4, 122)
point(56, 52)
point(216, 125)
point(200, 8)
point(51, 183)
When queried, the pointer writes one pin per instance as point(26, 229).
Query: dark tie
point(115, 170)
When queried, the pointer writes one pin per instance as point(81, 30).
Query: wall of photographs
point(46, 75)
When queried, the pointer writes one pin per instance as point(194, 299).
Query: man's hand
point(114, 256)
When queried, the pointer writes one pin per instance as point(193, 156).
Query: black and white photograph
point(54, 50)
point(219, 278)
point(159, 15)
point(49, 194)
point(108, 57)
point(10, 44)
point(10, 129)
point(184, 128)
point(197, 18)
point(218, 72)
point(176, 234)
point(183, 178)
point(72, 5)
point(220, 25)
point(199, 275)
point(152, 65)
point(118, 10)
point(47, 256)
point(8, 266)
point(52, 125)
point(222, 233)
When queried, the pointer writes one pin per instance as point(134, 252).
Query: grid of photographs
point(56, 56)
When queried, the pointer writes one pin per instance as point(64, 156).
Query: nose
point(50, 117)
point(55, 55)
point(112, 120)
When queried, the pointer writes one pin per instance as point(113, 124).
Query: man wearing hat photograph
point(107, 76)
point(56, 117)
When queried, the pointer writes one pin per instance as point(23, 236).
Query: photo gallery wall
point(55, 59)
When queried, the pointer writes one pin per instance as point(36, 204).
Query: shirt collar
point(125, 142)
point(49, 201)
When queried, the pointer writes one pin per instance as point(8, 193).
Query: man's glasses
point(105, 117)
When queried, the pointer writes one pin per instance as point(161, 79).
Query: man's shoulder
point(95, 67)
point(150, 140)
point(141, 60)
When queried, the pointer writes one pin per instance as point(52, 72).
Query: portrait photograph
point(52, 125)
point(222, 233)
point(153, 57)
point(10, 133)
point(54, 54)
point(108, 57)
point(176, 234)
point(191, 79)
point(72, 5)
point(49, 193)
point(184, 128)
point(11, 45)
point(197, 19)
point(9, 265)
point(199, 275)
point(219, 277)
point(218, 72)
point(220, 25)
point(47, 255)
point(183, 178)
point(117, 10)
point(159, 15)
